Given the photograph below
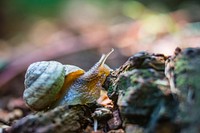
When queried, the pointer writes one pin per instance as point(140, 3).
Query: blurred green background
point(17, 16)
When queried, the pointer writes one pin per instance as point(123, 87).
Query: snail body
point(86, 88)
point(50, 83)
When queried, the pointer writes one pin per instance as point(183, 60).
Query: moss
point(187, 79)
point(140, 96)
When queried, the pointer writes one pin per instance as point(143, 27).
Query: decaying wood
point(59, 120)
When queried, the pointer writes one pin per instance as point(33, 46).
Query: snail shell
point(44, 81)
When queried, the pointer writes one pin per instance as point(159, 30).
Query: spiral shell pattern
point(43, 80)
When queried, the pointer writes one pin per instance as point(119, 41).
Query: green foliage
point(34, 7)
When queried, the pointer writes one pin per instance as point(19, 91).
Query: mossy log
point(59, 120)
point(142, 92)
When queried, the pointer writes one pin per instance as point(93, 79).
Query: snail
point(50, 83)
